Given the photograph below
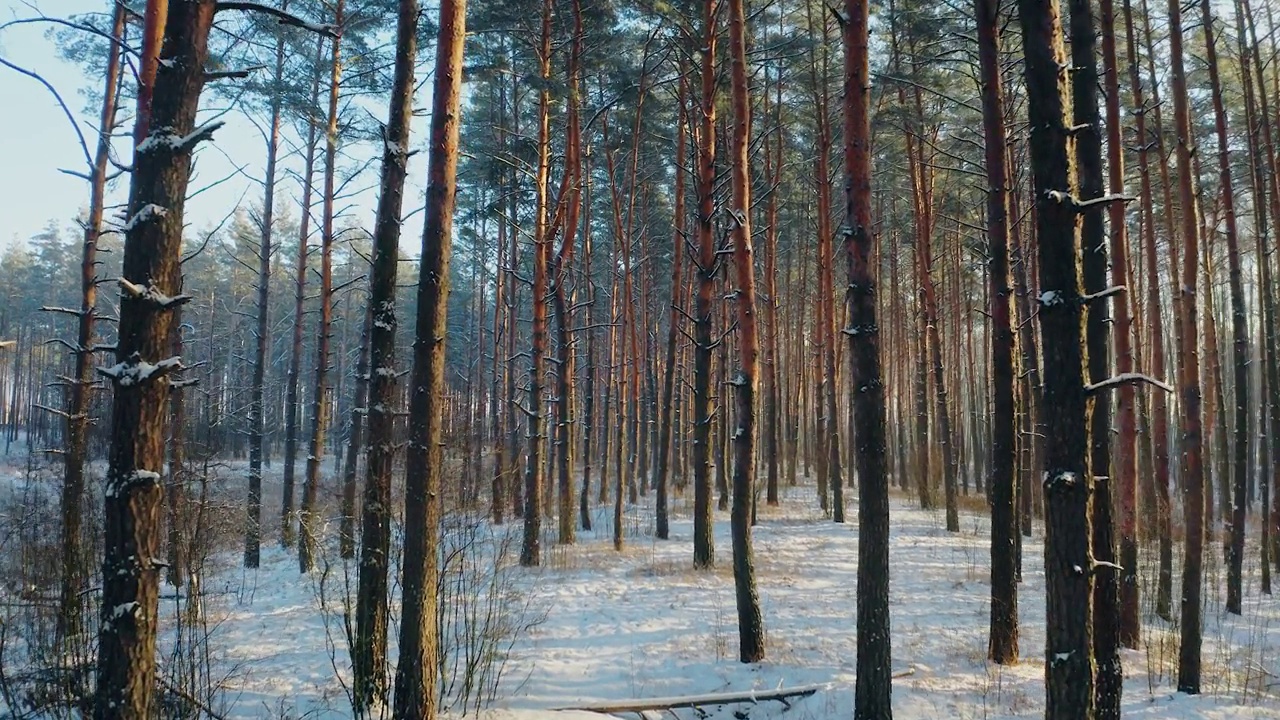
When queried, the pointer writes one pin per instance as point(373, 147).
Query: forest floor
point(595, 625)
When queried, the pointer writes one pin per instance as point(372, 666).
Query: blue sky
point(36, 140)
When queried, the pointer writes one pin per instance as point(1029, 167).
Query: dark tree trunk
point(369, 651)
point(1003, 645)
point(257, 425)
point(1109, 673)
point(666, 427)
point(1068, 653)
point(871, 697)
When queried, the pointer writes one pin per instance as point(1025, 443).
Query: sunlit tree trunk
point(309, 543)
point(416, 691)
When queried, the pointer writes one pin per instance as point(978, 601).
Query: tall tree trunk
point(1003, 645)
point(773, 148)
point(292, 401)
point(1155, 321)
point(355, 440)
point(257, 424)
point(170, 82)
point(1109, 678)
point(309, 543)
point(1068, 653)
point(79, 393)
point(1268, 300)
point(666, 427)
point(1239, 325)
point(706, 266)
point(1124, 459)
point(744, 382)
point(871, 697)
point(562, 295)
point(369, 651)
point(530, 550)
point(1192, 440)
point(417, 670)
point(589, 381)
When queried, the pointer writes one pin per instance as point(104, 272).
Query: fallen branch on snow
point(779, 694)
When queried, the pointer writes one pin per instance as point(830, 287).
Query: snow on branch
point(166, 139)
point(135, 371)
point(1062, 196)
point(239, 74)
point(1103, 200)
point(1114, 290)
point(121, 485)
point(148, 212)
point(285, 18)
point(152, 296)
point(63, 310)
point(1127, 379)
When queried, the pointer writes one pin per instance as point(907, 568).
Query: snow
point(604, 626)
point(1050, 297)
point(148, 212)
point(166, 139)
point(152, 294)
point(136, 371)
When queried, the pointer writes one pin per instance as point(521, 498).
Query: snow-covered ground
point(641, 623)
point(598, 625)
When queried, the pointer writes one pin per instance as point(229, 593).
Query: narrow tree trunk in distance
point(562, 295)
point(666, 429)
point(308, 545)
point(1124, 460)
point(1268, 301)
point(589, 383)
point(530, 550)
point(291, 401)
point(355, 441)
point(705, 266)
point(1239, 326)
point(257, 425)
point(1159, 404)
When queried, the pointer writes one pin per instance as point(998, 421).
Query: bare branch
point(1127, 379)
point(285, 18)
